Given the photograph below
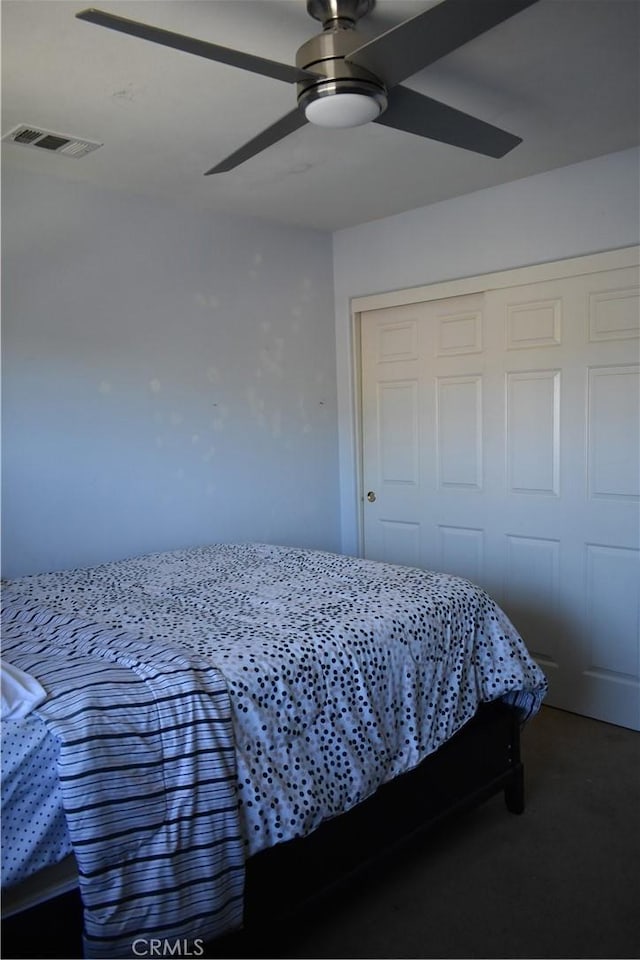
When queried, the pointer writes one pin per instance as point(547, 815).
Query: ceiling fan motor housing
point(329, 11)
point(325, 55)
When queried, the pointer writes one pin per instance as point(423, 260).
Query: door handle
point(371, 496)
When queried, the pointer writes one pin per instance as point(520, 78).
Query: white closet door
point(501, 436)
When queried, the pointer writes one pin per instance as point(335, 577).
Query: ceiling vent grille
point(29, 136)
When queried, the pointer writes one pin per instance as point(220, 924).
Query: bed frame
point(483, 759)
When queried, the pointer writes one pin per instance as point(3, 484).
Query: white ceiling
point(563, 74)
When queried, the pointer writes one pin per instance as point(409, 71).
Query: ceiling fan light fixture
point(342, 78)
point(342, 110)
point(342, 103)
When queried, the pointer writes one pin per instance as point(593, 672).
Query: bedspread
point(147, 774)
point(342, 673)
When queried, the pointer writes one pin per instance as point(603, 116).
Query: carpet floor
point(560, 881)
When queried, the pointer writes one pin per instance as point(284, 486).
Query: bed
point(211, 712)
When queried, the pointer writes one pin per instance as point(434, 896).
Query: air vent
point(28, 136)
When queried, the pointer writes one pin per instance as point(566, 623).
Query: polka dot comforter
point(342, 673)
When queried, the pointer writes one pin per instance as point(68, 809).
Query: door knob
point(371, 496)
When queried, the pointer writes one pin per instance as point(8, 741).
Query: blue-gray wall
point(169, 378)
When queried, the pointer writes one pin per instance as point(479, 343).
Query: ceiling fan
point(345, 80)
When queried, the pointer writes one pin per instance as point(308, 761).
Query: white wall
point(169, 379)
point(580, 209)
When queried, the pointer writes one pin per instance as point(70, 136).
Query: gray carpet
point(562, 880)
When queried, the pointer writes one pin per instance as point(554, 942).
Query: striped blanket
point(152, 814)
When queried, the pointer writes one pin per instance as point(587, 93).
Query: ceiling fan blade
point(277, 131)
point(410, 46)
point(415, 113)
point(201, 48)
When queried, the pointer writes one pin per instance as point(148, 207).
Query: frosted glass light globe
point(342, 110)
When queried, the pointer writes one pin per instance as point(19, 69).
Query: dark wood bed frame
point(483, 759)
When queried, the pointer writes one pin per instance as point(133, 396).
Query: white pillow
point(21, 692)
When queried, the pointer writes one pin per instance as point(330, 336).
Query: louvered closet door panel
point(501, 441)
